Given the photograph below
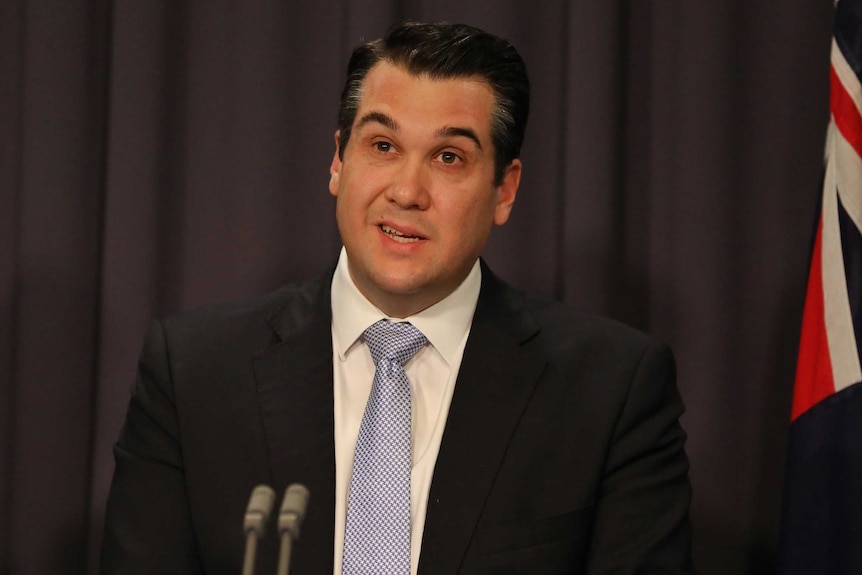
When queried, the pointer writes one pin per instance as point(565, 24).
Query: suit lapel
point(497, 376)
point(294, 379)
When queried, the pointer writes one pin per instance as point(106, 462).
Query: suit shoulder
point(564, 326)
point(601, 353)
point(250, 319)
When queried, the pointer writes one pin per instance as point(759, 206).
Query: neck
point(400, 305)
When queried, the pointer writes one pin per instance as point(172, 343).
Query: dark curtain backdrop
point(160, 155)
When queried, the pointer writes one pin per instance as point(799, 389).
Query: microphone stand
point(256, 515)
point(289, 519)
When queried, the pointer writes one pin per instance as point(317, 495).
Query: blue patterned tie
point(377, 533)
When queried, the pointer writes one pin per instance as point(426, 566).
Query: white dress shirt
point(432, 373)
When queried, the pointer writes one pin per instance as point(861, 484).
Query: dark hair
point(444, 51)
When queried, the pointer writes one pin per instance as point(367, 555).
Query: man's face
point(415, 189)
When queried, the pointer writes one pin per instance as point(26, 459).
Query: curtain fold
point(55, 193)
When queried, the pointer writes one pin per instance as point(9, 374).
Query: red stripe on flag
point(814, 380)
point(845, 112)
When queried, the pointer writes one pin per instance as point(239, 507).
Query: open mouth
point(399, 236)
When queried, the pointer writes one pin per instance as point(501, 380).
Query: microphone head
point(293, 509)
point(259, 508)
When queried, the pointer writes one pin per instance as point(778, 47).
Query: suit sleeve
point(642, 523)
point(147, 523)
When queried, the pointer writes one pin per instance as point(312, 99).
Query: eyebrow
point(390, 123)
point(449, 132)
point(380, 118)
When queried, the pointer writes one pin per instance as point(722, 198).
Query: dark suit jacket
point(562, 452)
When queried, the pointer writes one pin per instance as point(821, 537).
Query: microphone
point(289, 520)
point(257, 513)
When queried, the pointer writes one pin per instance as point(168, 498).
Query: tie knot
point(394, 341)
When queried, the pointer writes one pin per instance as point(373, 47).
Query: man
point(539, 440)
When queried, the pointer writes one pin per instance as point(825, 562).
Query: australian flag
point(821, 531)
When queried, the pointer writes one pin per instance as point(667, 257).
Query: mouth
point(399, 236)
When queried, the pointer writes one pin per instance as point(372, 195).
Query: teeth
point(398, 236)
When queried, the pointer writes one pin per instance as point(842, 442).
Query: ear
point(507, 191)
point(335, 166)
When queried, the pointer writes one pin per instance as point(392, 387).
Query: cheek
point(471, 221)
point(352, 204)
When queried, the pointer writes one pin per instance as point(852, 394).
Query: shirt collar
point(445, 323)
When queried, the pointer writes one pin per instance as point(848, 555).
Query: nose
point(409, 187)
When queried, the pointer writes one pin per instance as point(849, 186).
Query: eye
point(448, 157)
point(382, 146)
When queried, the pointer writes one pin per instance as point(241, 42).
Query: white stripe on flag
point(846, 74)
point(843, 171)
point(849, 185)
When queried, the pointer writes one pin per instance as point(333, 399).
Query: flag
point(821, 529)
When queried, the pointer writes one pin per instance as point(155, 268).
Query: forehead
point(420, 99)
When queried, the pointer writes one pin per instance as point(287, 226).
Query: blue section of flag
point(821, 531)
point(851, 246)
point(848, 33)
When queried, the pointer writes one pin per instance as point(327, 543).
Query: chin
point(407, 284)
